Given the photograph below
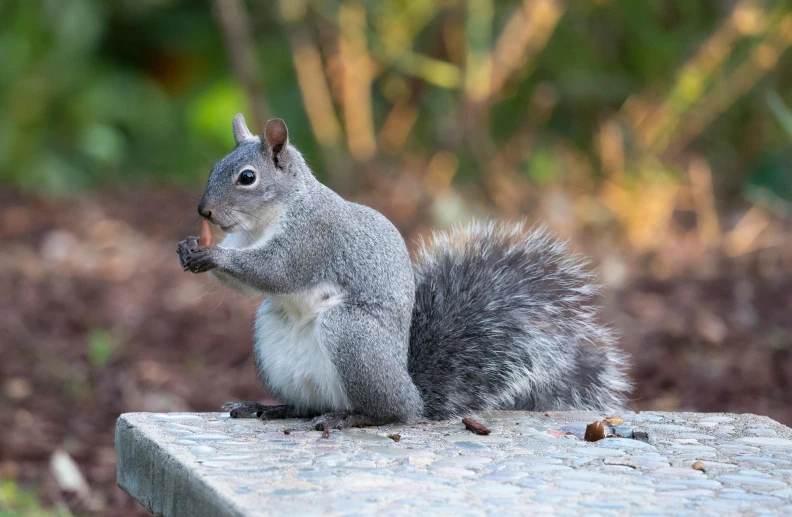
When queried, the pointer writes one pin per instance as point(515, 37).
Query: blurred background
point(655, 135)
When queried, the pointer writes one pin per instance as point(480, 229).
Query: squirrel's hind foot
point(256, 410)
point(245, 409)
point(343, 420)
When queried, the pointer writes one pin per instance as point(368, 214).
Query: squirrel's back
point(503, 319)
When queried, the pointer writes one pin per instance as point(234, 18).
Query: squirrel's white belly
point(290, 354)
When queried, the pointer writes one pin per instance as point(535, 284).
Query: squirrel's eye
point(246, 177)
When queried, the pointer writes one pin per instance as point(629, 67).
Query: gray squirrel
point(490, 317)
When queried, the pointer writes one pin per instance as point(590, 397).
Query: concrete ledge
point(161, 479)
point(189, 464)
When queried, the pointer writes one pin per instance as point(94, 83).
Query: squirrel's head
point(250, 185)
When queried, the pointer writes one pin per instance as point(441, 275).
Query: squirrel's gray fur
point(491, 316)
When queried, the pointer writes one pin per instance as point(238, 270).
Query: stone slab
point(206, 464)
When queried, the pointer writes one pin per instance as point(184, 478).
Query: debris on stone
point(326, 433)
point(476, 427)
point(395, 437)
point(698, 465)
point(610, 427)
point(624, 431)
point(287, 431)
point(595, 431)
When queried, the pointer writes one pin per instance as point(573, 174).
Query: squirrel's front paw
point(196, 258)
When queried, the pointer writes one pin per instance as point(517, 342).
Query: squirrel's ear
point(276, 137)
point(241, 131)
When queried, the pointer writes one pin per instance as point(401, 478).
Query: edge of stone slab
point(162, 481)
point(158, 480)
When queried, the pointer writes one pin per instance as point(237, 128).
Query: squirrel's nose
point(204, 212)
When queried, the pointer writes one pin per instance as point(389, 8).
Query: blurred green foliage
point(101, 347)
point(17, 502)
point(97, 92)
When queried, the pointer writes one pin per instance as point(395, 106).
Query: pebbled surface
point(532, 463)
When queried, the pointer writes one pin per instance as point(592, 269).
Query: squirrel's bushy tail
point(504, 319)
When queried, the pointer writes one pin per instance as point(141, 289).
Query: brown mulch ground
point(98, 274)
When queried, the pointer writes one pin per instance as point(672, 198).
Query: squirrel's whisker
point(247, 213)
point(241, 225)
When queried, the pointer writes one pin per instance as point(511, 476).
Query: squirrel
point(491, 316)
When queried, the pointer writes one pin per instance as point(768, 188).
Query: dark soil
point(97, 319)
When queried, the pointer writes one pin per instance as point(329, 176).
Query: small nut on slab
point(395, 437)
point(476, 427)
point(697, 465)
point(206, 234)
point(595, 431)
point(613, 421)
